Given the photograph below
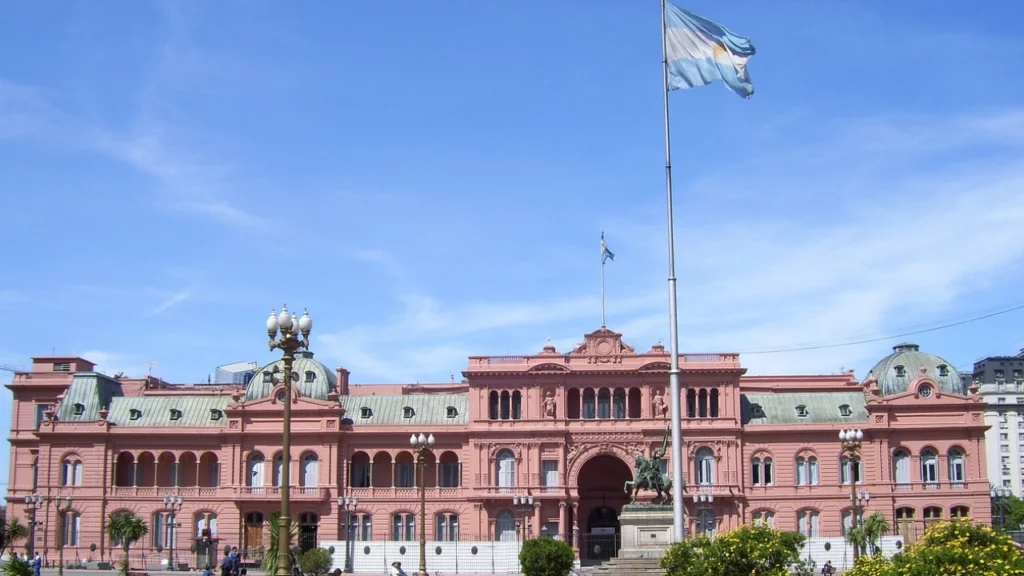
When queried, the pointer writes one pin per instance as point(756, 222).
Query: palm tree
point(875, 526)
point(13, 530)
point(269, 564)
point(126, 528)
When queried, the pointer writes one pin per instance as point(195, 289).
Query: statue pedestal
point(646, 530)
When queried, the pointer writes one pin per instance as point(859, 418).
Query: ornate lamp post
point(173, 504)
point(348, 504)
point(851, 440)
point(421, 445)
point(523, 505)
point(999, 502)
point(32, 503)
point(294, 337)
point(62, 504)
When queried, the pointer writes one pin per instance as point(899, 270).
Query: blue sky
point(431, 180)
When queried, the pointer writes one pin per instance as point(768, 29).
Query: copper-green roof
point(89, 392)
point(821, 408)
point(311, 378)
point(155, 411)
point(427, 409)
point(896, 371)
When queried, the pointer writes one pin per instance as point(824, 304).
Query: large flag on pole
point(699, 51)
point(606, 254)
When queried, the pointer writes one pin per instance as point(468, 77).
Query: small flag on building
point(606, 254)
point(699, 51)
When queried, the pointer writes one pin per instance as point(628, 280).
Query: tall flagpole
point(673, 372)
point(602, 280)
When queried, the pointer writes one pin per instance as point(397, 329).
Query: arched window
point(589, 409)
point(957, 467)
point(506, 405)
point(847, 516)
point(691, 403)
point(619, 404)
point(403, 526)
point(450, 474)
point(705, 466)
point(572, 404)
point(493, 404)
point(71, 473)
point(766, 517)
point(604, 404)
point(505, 527)
point(762, 471)
point(361, 466)
point(159, 530)
point(71, 527)
point(635, 402)
point(848, 470)
point(901, 466)
point(360, 526)
point(517, 405)
point(256, 466)
point(446, 527)
point(405, 470)
point(807, 523)
point(932, 514)
point(206, 524)
point(959, 512)
point(310, 471)
point(702, 403)
point(714, 402)
point(812, 469)
point(929, 466)
point(505, 469)
point(278, 469)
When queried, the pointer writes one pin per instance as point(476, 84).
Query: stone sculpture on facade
point(649, 477)
point(660, 407)
point(549, 405)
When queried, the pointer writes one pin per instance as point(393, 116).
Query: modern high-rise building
point(1001, 382)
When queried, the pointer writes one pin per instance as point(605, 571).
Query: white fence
point(824, 548)
point(445, 557)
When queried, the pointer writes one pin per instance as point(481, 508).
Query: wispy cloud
point(170, 302)
point(910, 241)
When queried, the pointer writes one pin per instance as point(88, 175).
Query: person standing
point(37, 565)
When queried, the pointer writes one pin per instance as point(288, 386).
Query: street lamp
point(173, 504)
point(348, 504)
point(294, 337)
point(421, 445)
point(524, 506)
point(62, 503)
point(999, 502)
point(32, 503)
point(851, 441)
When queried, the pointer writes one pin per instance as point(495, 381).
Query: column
point(537, 525)
point(561, 521)
point(137, 475)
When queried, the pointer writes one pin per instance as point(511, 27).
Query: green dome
point(896, 371)
point(311, 378)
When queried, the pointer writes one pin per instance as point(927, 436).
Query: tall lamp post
point(62, 504)
point(173, 504)
point(999, 502)
point(421, 445)
point(294, 337)
point(348, 504)
point(851, 440)
point(32, 503)
point(858, 503)
point(523, 505)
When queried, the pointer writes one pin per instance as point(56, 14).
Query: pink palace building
point(562, 427)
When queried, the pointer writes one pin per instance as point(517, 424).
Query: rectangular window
point(450, 475)
point(41, 410)
point(62, 367)
point(1004, 436)
point(1000, 400)
point(549, 475)
point(1004, 449)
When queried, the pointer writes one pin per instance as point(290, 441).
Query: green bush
point(546, 557)
point(315, 562)
point(746, 551)
point(16, 567)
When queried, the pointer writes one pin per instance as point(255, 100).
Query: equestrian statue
point(649, 477)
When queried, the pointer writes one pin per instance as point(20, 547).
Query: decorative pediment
point(655, 367)
point(549, 367)
point(603, 346)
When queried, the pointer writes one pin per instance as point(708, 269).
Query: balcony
point(937, 486)
point(394, 493)
point(711, 490)
point(299, 493)
point(160, 491)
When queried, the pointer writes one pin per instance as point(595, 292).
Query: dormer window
point(452, 412)
point(62, 366)
point(365, 412)
point(801, 411)
point(216, 414)
point(1000, 374)
point(175, 414)
point(134, 414)
point(79, 409)
point(844, 410)
point(295, 376)
point(1018, 374)
point(310, 376)
point(900, 371)
point(756, 411)
point(268, 377)
point(943, 370)
point(925, 391)
point(280, 397)
point(408, 412)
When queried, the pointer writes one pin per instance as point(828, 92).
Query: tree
point(546, 557)
point(16, 567)
point(315, 562)
point(127, 528)
point(951, 548)
point(269, 564)
point(13, 530)
point(875, 526)
point(1014, 513)
point(746, 551)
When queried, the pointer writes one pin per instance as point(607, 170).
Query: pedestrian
point(225, 564)
point(37, 565)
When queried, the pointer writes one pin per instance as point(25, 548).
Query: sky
point(431, 180)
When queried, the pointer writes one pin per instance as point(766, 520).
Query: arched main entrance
point(601, 499)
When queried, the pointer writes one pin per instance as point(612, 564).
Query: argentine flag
point(699, 51)
point(606, 254)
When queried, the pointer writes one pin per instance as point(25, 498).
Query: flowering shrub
point(950, 548)
point(746, 551)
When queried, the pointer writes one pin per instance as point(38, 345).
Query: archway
point(601, 499)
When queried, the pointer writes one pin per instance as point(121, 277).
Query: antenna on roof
point(149, 366)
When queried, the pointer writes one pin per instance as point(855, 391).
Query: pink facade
point(562, 427)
